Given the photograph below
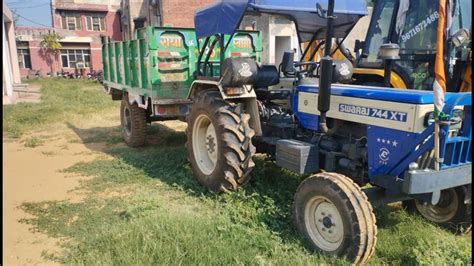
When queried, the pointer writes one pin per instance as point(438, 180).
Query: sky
point(34, 13)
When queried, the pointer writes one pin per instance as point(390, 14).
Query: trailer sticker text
point(243, 43)
point(167, 40)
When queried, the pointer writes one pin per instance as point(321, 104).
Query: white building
point(278, 34)
point(10, 69)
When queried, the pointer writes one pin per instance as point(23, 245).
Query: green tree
point(50, 48)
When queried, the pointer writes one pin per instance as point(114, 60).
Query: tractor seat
point(267, 75)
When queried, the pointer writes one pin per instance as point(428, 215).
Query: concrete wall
point(272, 27)
point(10, 69)
point(132, 9)
point(39, 60)
point(281, 27)
point(96, 55)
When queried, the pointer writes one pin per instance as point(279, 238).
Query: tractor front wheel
point(219, 142)
point(335, 217)
point(451, 212)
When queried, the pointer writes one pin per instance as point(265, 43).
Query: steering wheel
point(312, 67)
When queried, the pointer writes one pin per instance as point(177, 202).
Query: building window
point(72, 58)
point(71, 21)
point(95, 22)
point(24, 59)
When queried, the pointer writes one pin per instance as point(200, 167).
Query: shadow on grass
point(158, 135)
point(270, 190)
point(267, 197)
point(264, 203)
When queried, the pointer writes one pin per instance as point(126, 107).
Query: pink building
point(80, 23)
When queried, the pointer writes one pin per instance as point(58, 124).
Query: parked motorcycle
point(94, 75)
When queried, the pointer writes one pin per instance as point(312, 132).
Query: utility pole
point(52, 14)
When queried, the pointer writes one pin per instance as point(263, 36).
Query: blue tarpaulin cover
point(224, 16)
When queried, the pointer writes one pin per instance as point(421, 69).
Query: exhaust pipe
point(325, 79)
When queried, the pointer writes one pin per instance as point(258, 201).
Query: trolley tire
point(133, 123)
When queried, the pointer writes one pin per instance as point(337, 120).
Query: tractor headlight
point(456, 118)
point(429, 119)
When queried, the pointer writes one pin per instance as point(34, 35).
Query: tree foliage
point(51, 42)
point(51, 45)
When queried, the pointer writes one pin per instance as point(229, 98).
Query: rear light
point(160, 109)
point(171, 110)
point(183, 109)
point(232, 91)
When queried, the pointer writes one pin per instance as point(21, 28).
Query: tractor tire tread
point(360, 211)
point(236, 136)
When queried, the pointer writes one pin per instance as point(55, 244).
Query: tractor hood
point(224, 16)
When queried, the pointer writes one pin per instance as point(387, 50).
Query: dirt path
point(32, 175)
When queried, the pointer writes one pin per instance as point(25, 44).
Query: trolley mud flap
point(137, 98)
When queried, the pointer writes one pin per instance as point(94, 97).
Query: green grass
point(143, 207)
point(61, 100)
point(33, 142)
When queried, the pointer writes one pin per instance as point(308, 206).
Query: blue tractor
point(364, 146)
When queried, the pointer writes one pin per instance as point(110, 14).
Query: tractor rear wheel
point(335, 217)
point(133, 122)
point(451, 212)
point(219, 142)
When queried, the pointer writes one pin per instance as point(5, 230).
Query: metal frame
point(218, 38)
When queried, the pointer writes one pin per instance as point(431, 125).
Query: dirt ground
point(31, 175)
point(34, 175)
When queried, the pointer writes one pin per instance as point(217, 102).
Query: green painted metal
point(242, 44)
point(119, 62)
point(111, 59)
point(126, 63)
point(174, 67)
point(134, 61)
point(105, 61)
point(161, 62)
